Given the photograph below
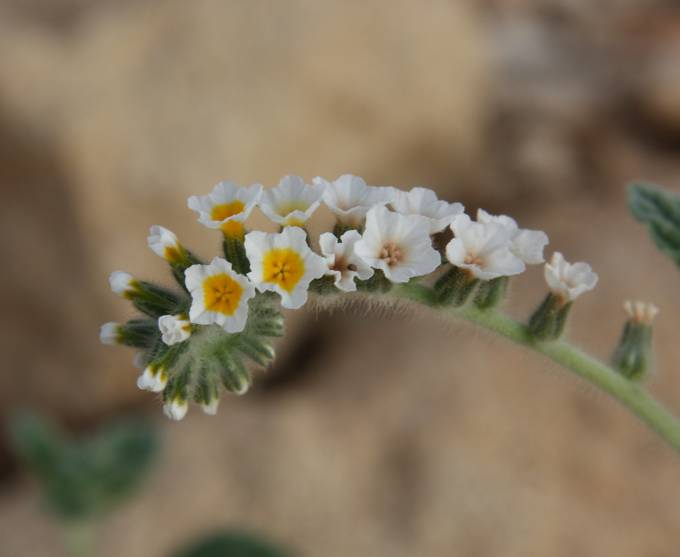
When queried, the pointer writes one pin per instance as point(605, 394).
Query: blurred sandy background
point(377, 435)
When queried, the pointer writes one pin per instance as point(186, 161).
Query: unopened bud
point(633, 356)
point(491, 292)
point(548, 321)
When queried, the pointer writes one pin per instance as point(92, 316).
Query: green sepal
point(491, 292)
point(633, 357)
point(139, 333)
point(339, 229)
point(156, 301)
point(323, 286)
point(235, 252)
point(178, 268)
point(455, 287)
point(235, 376)
point(256, 349)
point(549, 320)
point(377, 283)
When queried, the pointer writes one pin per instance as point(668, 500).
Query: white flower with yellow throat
point(219, 295)
point(226, 207)
point(292, 202)
point(283, 263)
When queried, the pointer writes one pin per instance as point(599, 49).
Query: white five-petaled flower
point(350, 198)
point(292, 202)
point(424, 202)
point(343, 263)
point(226, 207)
point(153, 378)
point(122, 283)
point(164, 243)
point(569, 280)
point(110, 333)
point(219, 295)
point(174, 329)
point(641, 312)
point(283, 263)
point(399, 245)
point(526, 244)
point(176, 408)
point(483, 249)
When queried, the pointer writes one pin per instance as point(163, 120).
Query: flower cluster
point(197, 341)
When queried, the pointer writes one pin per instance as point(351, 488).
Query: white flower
point(483, 249)
point(110, 333)
point(350, 198)
point(226, 207)
point(176, 408)
point(174, 329)
point(219, 295)
point(641, 312)
point(569, 280)
point(526, 244)
point(292, 202)
point(164, 243)
point(343, 263)
point(211, 407)
point(424, 202)
point(399, 245)
point(153, 379)
point(283, 263)
point(122, 283)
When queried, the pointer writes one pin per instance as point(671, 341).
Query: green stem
point(629, 393)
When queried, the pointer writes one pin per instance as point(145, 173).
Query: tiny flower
point(569, 280)
point(641, 312)
point(526, 244)
point(154, 379)
point(350, 198)
point(283, 263)
point(292, 202)
point(174, 329)
point(164, 243)
point(110, 333)
point(176, 408)
point(399, 245)
point(424, 202)
point(211, 407)
point(122, 284)
point(483, 249)
point(226, 207)
point(343, 263)
point(219, 295)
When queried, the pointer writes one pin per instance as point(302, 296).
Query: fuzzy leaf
point(231, 544)
point(659, 209)
point(83, 478)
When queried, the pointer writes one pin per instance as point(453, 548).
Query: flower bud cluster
point(203, 338)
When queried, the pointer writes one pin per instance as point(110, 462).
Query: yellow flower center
point(283, 267)
point(287, 208)
point(222, 294)
point(232, 228)
point(226, 210)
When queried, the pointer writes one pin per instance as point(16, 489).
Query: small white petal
point(424, 202)
point(174, 329)
point(226, 203)
point(163, 242)
point(350, 198)
point(121, 283)
point(176, 409)
point(342, 261)
point(211, 407)
point(110, 333)
point(569, 280)
point(526, 244)
point(292, 202)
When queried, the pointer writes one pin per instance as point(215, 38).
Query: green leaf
point(659, 209)
point(86, 477)
point(231, 544)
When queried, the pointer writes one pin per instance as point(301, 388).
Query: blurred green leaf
point(86, 477)
point(231, 544)
point(659, 209)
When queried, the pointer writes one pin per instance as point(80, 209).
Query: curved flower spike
point(398, 245)
point(424, 202)
point(226, 207)
point(283, 263)
point(292, 202)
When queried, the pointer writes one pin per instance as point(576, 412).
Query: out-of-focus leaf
point(86, 477)
point(659, 209)
point(231, 544)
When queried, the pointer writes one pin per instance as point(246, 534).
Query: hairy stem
point(630, 394)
